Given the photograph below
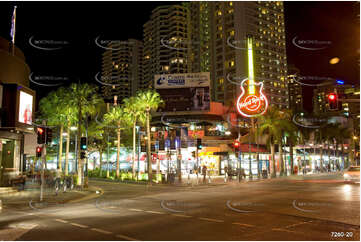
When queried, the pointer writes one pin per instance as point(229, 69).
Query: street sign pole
point(43, 156)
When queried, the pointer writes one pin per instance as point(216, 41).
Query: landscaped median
point(124, 176)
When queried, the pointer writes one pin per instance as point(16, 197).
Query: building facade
point(294, 89)
point(219, 31)
point(122, 72)
point(17, 102)
point(166, 42)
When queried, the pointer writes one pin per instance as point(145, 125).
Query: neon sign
point(252, 102)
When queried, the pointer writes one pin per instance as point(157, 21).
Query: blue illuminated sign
point(340, 82)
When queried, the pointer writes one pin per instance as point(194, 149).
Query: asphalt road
point(319, 208)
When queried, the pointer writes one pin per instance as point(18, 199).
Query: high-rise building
point(294, 89)
point(211, 37)
point(122, 73)
point(218, 33)
point(166, 41)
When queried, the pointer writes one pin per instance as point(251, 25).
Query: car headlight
point(346, 175)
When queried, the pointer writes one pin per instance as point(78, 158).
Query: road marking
point(61, 221)
point(101, 231)
point(182, 215)
point(79, 225)
point(125, 237)
point(293, 225)
point(137, 210)
point(283, 230)
point(212, 220)
point(154, 212)
point(246, 225)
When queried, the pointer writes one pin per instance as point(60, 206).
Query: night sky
point(79, 23)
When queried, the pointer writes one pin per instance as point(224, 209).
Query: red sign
point(252, 102)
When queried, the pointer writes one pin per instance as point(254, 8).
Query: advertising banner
point(184, 92)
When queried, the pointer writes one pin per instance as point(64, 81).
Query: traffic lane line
point(212, 220)
point(181, 215)
point(79, 225)
point(61, 221)
point(125, 237)
point(246, 225)
point(155, 212)
point(136, 210)
point(101, 231)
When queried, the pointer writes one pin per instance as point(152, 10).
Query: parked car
point(352, 174)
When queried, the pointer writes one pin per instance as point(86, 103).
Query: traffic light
point(332, 101)
point(49, 135)
point(83, 145)
point(236, 144)
point(82, 155)
point(199, 144)
point(38, 151)
point(41, 135)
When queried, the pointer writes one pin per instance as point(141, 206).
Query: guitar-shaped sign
point(252, 102)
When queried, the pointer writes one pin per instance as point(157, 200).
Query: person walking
point(204, 173)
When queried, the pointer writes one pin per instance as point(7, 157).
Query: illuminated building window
point(230, 3)
point(220, 28)
point(231, 33)
point(232, 63)
point(219, 13)
point(220, 81)
point(264, 11)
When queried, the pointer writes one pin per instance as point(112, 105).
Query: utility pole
point(43, 158)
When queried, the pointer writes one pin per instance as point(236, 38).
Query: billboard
point(184, 92)
point(25, 108)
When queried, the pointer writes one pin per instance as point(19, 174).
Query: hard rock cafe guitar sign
point(252, 102)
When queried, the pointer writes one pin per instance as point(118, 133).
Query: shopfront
point(11, 161)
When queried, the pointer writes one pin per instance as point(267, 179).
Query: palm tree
point(97, 141)
point(269, 126)
point(116, 116)
point(133, 110)
point(50, 109)
point(149, 101)
point(68, 109)
point(86, 99)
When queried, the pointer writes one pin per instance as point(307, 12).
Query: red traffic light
point(38, 149)
point(332, 96)
point(40, 130)
point(236, 144)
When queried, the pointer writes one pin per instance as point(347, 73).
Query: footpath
point(11, 198)
point(191, 181)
